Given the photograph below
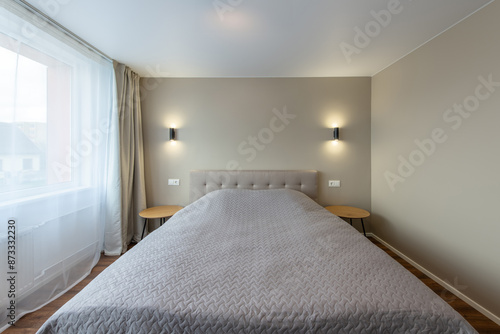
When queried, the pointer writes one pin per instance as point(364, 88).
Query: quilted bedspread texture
point(255, 261)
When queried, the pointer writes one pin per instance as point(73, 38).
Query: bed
point(254, 253)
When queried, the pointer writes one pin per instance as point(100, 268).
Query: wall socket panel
point(334, 183)
point(173, 182)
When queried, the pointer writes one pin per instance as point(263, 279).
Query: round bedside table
point(349, 212)
point(158, 212)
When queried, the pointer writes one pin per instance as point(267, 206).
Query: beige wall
point(433, 177)
point(442, 211)
point(215, 117)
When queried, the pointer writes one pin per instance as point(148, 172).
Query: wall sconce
point(335, 134)
point(173, 134)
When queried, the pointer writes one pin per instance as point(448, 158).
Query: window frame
point(60, 75)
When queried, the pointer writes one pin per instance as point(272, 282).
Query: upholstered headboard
point(204, 181)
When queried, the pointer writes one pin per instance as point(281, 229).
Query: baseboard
point(438, 280)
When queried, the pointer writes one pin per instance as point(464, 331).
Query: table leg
point(144, 228)
point(350, 221)
point(363, 224)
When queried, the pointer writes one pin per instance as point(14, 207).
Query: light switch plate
point(173, 182)
point(334, 183)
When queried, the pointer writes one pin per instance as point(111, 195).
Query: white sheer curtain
point(59, 162)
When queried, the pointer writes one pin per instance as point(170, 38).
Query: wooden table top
point(348, 211)
point(162, 211)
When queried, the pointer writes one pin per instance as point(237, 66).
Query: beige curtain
point(131, 153)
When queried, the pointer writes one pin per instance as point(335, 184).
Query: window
point(27, 164)
point(58, 135)
point(35, 117)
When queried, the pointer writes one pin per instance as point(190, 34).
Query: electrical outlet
point(334, 183)
point(173, 182)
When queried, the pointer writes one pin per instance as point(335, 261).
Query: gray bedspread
point(255, 261)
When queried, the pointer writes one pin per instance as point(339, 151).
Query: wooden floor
point(30, 323)
point(480, 322)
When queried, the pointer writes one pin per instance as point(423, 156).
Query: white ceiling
point(256, 38)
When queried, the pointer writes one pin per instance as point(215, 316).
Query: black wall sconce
point(335, 134)
point(173, 134)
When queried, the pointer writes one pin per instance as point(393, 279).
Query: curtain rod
point(63, 29)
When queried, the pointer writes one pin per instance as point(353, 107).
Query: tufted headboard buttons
point(204, 181)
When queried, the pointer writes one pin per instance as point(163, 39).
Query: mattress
point(255, 261)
